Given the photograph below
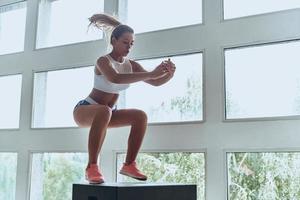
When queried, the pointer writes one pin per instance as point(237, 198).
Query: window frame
point(227, 151)
point(62, 45)
point(21, 95)
point(50, 69)
point(4, 3)
point(9, 2)
point(254, 15)
point(122, 12)
point(203, 151)
point(30, 165)
point(244, 46)
point(202, 52)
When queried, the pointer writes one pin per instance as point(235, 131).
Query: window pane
point(56, 93)
point(12, 20)
point(179, 167)
point(153, 15)
point(180, 99)
point(53, 174)
point(66, 21)
point(263, 81)
point(8, 174)
point(238, 8)
point(263, 176)
point(10, 88)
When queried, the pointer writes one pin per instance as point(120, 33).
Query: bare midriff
point(104, 98)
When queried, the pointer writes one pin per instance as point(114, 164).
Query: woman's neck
point(116, 57)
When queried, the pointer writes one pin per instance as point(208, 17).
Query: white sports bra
point(101, 83)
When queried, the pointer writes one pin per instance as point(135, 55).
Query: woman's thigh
point(125, 117)
point(84, 115)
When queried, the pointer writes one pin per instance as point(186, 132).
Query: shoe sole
point(91, 182)
point(132, 176)
point(94, 182)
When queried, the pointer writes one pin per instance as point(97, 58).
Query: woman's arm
point(154, 81)
point(162, 80)
point(113, 76)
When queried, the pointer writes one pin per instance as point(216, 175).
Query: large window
point(172, 167)
point(55, 98)
point(263, 176)
point(10, 88)
point(8, 174)
point(12, 27)
point(263, 81)
point(56, 93)
point(153, 15)
point(53, 174)
point(178, 100)
point(66, 21)
point(238, 8)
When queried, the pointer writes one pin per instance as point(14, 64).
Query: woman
point(114, 73)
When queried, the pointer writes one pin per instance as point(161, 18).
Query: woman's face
point(123, 44)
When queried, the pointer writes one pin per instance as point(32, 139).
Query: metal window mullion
point(111, 7)
point(123, 10)
point(43, 22)
point(31, 24)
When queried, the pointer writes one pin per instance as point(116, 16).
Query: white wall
point(213, 136)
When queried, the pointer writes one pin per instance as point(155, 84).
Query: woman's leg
point(97, 117)
point(138, 121)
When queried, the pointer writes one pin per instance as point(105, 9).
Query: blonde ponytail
point(103, 21)
point(111, 27)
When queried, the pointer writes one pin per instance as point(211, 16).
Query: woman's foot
point(93, 174)
point(132, 171)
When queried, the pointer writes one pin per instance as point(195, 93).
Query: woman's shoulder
point(103, 60)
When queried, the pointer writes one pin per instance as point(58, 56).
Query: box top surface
point(134, 184)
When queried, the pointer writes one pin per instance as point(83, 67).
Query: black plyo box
point(134, 191)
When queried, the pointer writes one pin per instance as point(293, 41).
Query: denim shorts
point(85, 102)
point(82, 102)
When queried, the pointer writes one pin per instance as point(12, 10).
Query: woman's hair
point(111, 26)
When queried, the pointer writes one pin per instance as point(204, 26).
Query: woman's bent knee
point(141, 116)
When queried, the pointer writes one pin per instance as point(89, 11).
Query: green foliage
point(189, 105)
point(232, 107)
point(174, 168)
point(60, 171)
point(8, 171)
point(251, 176)
point(264, 176)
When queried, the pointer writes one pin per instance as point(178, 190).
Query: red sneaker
point(132, 171)
point(93, 174)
